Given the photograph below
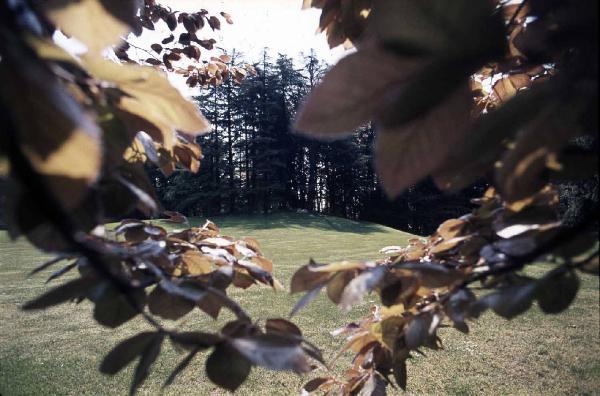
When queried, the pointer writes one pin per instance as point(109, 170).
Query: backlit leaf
point(58, 137)
point(306, 279)
point(97, 23)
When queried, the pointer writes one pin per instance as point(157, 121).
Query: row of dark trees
point(255, 163)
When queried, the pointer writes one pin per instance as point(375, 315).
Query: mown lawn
point(58, 351)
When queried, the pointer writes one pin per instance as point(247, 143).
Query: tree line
point(254, 162)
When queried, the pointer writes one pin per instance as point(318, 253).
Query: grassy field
point(57, 351)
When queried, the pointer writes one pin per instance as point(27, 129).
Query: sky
point(280, 25)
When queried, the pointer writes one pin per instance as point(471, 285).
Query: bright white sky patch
point(279, 25)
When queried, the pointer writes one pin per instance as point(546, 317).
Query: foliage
point(418, 66)
point(456, 92)
point(253, 161)
point(77, 132)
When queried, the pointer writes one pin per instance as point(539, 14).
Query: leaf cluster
point(459, 91)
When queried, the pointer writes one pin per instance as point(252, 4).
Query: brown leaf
point(150, 96)
point(305, 279)
point(214, 23)
point(195, 263)
point(168, 306)
point(352, 92)
point(337, 284)
point(97, 23)
point(518, 173)
point(282, 326)
point(411, 151)
point(58, 137)
point(157, 48)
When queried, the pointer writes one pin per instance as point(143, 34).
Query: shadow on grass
point(296, 220)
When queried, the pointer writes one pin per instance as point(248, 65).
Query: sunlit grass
point(57, 351)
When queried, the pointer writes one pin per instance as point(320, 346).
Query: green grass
point(58, 351)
